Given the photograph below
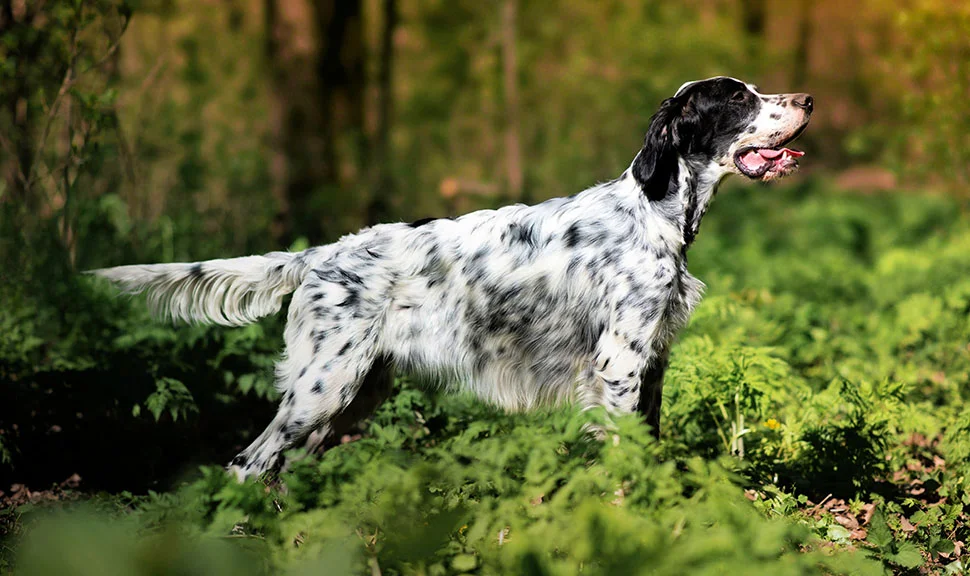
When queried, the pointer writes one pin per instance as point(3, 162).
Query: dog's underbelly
point(517, 340)
point(518, 325)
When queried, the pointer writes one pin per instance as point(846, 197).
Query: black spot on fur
point(775, 116)
point(651, 313)
point(302, 372)
point(422, 221)
point(345, 348)
point(352, 299)
point(637, 346)
point(317, 387)
point(319, 337)
point(196, 272)
point(572, 236)
point(573, 266)
point(523, 234)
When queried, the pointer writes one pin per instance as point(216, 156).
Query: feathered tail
point(230, 292)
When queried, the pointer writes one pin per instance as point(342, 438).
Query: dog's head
point(725, 126)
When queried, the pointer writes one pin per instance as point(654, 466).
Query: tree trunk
point(378, 209)
point(306, 50)
point(753, 21)
point(802, 42)
point(280, 229)
point(15, 115)
point(753, 17)
point(513, 153)
point(341, 76)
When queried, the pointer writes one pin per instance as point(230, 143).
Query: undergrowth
point(814, 421)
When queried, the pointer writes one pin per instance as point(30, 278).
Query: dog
point(574, 299)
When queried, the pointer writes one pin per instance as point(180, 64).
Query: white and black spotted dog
point(574, 299)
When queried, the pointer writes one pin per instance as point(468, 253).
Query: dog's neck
point(690, 189)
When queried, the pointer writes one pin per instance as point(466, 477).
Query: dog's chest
point(679, 292)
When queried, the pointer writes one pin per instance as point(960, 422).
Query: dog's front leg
point(651, 392)
point(617, 366)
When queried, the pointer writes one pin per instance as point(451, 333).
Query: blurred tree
point(341, 74)
point(303, 162)
point(803, 39)
point(316, 54)
point(382, 189)
point(25, 39)
point(753, 17)
point(54, 78)
point(513, 151)
point(931, 56)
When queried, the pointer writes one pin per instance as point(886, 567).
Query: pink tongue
point(772, 154)
point(757, 157)
point(753, 160)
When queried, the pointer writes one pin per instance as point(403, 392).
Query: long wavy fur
point(230, 292)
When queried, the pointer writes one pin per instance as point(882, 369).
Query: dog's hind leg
point(376, 388)
point(330, 350)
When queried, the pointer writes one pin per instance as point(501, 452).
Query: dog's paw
point(236, 472)
point(602, 432)
point(597, 432)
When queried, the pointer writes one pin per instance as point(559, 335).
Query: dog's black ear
point(669, 130)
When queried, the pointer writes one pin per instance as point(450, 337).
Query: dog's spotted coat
point(574, 299)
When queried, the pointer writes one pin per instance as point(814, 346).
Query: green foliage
point(171, 395)
point(928, 140)
point(89, 544)
point(463, 488)
point(902, 553)
point(827, 363)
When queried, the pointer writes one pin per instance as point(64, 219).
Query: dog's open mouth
point(767, 163)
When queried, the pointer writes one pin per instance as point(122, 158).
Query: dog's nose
point(804, 101)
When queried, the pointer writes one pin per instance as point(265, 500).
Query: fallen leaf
point(859, 534)
point(848, 521)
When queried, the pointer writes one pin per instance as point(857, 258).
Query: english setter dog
point(572, 300)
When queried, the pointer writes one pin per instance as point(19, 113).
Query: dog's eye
point(739, 96)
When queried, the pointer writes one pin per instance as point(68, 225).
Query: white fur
point(231, 292)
